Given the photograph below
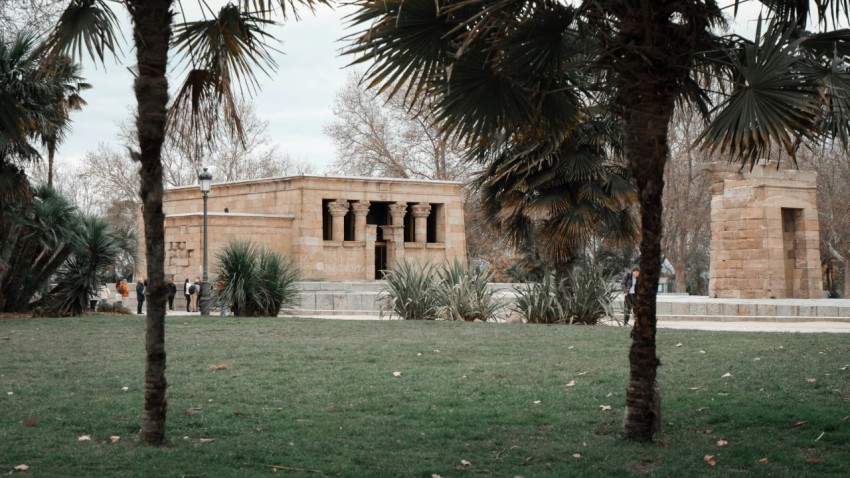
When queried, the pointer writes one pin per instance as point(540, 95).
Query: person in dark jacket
point(187, 294)
point(140, 295)
point(629, 284)
point(171, 291)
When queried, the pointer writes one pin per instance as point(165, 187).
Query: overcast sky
point(296, 100)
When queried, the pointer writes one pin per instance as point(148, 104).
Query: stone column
point(338, 210)
point(420, 217)
point(370, 234)
point(396, 239)
point(361, 209)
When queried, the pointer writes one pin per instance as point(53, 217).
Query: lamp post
point(205, 180)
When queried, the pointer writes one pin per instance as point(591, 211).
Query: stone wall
point(764, 233)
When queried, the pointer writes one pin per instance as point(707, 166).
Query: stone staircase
point(320, 298)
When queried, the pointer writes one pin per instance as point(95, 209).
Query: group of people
point(191, 290)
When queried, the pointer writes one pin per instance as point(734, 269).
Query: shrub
point(583, 298)
point(464, 294)
point(410, 292)
point(254, 281)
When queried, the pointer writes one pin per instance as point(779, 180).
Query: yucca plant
point(590, 293)
point(410, 292)
point(254, 281)
point(541, 302)
point(464, 293)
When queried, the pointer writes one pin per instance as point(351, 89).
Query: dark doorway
point(380, 259)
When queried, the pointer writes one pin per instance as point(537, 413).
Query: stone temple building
point(764, 233)
point(332, 228)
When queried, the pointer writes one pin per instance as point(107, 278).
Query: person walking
point(188, 294)
point(196, 292)
point(123, 291)
point(170, 291)
point(629, 285)
point(140, 295)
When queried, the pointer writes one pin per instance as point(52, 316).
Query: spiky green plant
point(410, 292)
point(541, 302)
point(254, 281)
point(465, 294)
point(589, 293)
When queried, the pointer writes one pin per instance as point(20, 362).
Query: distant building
point(333, 228)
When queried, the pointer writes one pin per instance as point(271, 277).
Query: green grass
point(321, 395)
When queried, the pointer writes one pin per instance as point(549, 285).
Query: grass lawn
point(321, 398)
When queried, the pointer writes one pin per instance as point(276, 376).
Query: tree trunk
point(152, 34)
point(51, 152)
point(681, 265)
point(647, 97)
point(846, 275)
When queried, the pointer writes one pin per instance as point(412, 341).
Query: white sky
point(296, 101)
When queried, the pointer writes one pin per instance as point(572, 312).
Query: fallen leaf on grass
point(114, 438)
point(10, 393)
point(83, 437)
point(536, 402)
point(577, 456)
point(192, 411)
point(845, 367)
point(605, 408)
point(125, 388)
point(5, 338)
point(820, 436)
point(218, 366)
point(702, 351)
point(726, 375)
point(571, 383)
point(799, 424)
point(694, 388)
point(396, 374)
point(22, 468)
point(207, 440)
point(710, 460)
point(465, 463)
point(664, 443)
point(583, 372)
point(434, 475)
point(679, 344)
point(31, 421)
point(702, 409)
point(812, 460)
point(721, 442)
point(571, 346)
point(764, 461)
point(811, 380)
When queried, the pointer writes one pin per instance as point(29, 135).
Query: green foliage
point(450, 291)
point(584, 297)
point(410, 292)
point(254, 281)
point(95, 248)
point(464, 293)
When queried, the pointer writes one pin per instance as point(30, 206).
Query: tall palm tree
point(222, 53)
point(520, 68)
point(65, 75)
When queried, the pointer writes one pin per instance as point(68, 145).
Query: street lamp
point(205, 180)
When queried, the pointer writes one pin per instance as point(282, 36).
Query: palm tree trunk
point(647, 122)
point(152, 34)
point(51, 152)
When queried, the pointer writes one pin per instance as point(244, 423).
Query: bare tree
point(687, 201)
point(31, 15)
point(377, 136)
point(833, 182)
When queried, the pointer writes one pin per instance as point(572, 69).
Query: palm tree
point(222, 52)
point(514, 69)
point(65, 74)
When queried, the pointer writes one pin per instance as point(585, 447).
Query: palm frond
point(89, 24)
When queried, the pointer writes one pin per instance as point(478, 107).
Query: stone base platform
point(359, 299)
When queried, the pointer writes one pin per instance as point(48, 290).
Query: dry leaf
point(125, 388)
point(434, 475)
point(799, 424)
point(5, 338)
point(694, 388)
point(721, 442)
point(702, 351)
point(726, 375)
point(679, 344)
point(22, 468)
point(583, 372)
point(418, 354)
point(207, 440)
point(114, 438)
point(577, 456)
point(811, 380)
point(820, 436)
point(396, 374)
point(536, 402)
point(192, 411)
point(710, 460)
point(571, 346)
point(664, 443)
point(218, 366)
point(83, 437)
point(465, 463)
point(436, 351)
point(812, 460)
point(10, 393)
point(702, 409)
point(605, 408)
point(763, 461)
point(845, 367)
point(31, 421)
point(571, 383)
